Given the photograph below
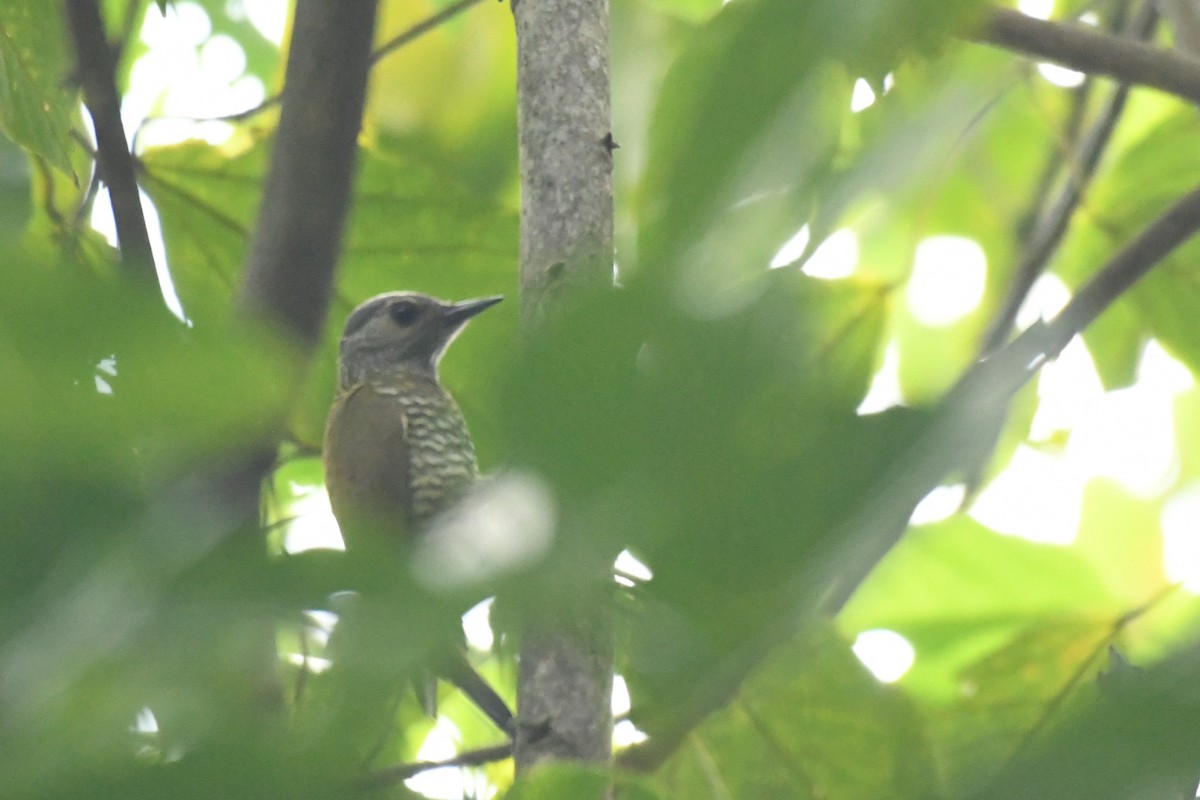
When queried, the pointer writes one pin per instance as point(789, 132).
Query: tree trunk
point(564, 687)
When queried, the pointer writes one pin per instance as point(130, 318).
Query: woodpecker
point(397, 449)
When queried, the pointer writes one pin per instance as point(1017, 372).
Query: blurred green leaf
point(788, 732)
point(125, 583)
point(960, 569)
point(722, 451)
point(955, 587)
point(1116, 341)
point(37, 105)
point(690, 10)
point(465, 122)
point(676, 403)
point(1112, 540)
point(562, 780)
point(750, 114)
point(1149, 176)
point(1134, 740)
point(1011, 694)
point(207, 199)
point(15, 191)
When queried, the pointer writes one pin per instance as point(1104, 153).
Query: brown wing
point(366, 468)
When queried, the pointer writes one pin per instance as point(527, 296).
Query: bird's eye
point(404, 313)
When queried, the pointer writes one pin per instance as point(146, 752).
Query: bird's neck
point(385, 374)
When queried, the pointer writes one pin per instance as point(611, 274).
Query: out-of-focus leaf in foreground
point(118, 422)
point(749, 118)
point(722, 451)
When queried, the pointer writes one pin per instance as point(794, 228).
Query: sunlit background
point(1080, 434)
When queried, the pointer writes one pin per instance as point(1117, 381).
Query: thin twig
point(1092, 52)
point(1051, 226)
point(94, 70)
point(421, 28)
point(1067, 142)
point(407, 37)
point(473, 758)
point(88, 200)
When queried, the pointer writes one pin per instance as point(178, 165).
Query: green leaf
point(1149, 176)
point(1133, 740)
point(1112, 540)
point(567, 781)
point(15, 195)
point(621, 387)
point(1116, 341)
point(788, 733)
point(690, 10)
point(37, 108)
point(955, 589)
point(112, 522)
point(1011, 694)
point(407, 229)
point(1004, 631)
point(207, 199)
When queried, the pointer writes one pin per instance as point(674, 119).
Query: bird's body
point(397, 449)
point(404, 455)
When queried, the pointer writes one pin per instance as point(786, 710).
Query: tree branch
point(298, 236)
point(383, 778)
point(95, 65)
point(1089, 51)
point(1052, 224)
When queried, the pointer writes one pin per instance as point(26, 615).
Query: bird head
point(401, 331)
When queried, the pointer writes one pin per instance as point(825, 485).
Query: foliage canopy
point(707, 416)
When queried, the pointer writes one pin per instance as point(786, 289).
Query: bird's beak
point(459, 313)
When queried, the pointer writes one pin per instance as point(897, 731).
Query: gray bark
point(1086, 50)
point(564, 686)
point(563, 120)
